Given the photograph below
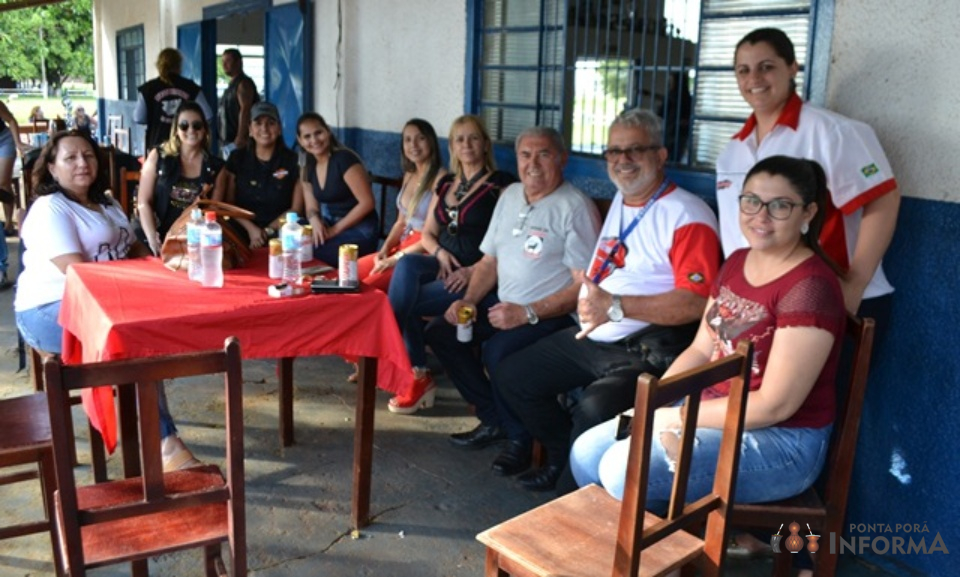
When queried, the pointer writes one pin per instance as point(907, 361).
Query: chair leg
point(212, 563)
point(139, 568)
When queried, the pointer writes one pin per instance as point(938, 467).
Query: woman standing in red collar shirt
point(864, 199)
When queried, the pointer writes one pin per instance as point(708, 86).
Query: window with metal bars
point(576, 64)
point(131, 70)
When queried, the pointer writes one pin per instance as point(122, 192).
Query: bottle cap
point(210, 216)
point(292, 217)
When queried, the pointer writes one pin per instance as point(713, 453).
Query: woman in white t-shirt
point(73, 220)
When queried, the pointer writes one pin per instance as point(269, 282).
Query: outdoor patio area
point(428, 502)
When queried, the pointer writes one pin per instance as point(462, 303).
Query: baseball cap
point(264, 109)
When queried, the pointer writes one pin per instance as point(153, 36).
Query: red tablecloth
point(138, 308)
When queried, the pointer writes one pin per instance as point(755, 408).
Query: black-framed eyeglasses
point(522, 220)
point(453, 224)
point(633, 153)
point(196, 125)
point(778, 208)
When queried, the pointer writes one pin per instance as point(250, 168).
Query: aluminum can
point(348, 265)
point(306, 244)
point(465, 324)
point(276, 258)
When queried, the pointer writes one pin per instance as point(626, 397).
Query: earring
point(805, 228)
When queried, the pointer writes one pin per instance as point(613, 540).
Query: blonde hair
point(488, 162)
point(168, 63)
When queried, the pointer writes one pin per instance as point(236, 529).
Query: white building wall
point(894, 66)
point(398, 60)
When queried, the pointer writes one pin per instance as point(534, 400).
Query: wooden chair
point(121, 139)
point(26, 440)
point(129, 181)
point(141, 517)
point(824, 510)
point(589, 533)
point(385, 185)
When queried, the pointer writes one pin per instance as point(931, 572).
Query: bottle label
point(211, 240)
point(291, 241)
point(193, 234)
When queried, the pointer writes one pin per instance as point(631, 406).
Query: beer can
point(348, 265)
point(306, 244)
point(276, 258)
point(465, 324)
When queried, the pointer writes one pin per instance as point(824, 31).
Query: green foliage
point(58, 37)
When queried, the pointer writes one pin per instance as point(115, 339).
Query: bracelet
point(313, 213)
point(437, 252)
point(399, 254)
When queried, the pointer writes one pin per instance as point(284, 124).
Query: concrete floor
point(429, 500)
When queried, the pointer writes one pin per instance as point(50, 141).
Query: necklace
point(465, 186)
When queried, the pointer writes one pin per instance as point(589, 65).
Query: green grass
point(52, 107)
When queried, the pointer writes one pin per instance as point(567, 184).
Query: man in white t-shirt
point(642, 297)
point(522, 289)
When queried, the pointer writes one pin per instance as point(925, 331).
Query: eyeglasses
point(778, 208)
point(196, 125)
point(453, 226)
point(633, 153)
point(522, 220)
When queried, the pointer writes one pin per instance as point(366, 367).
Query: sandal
point(176, 456)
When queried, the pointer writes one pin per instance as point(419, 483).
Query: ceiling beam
point(19, 4)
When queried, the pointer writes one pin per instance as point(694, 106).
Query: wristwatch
point(269, 230)
point(532, 317)
point(615, 312)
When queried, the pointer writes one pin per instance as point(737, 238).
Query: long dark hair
point(306, 116)
point(427, 130)
point(808, 180)
point(44, 183)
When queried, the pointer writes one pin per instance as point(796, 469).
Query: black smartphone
point(326, 286)
point(624, 423)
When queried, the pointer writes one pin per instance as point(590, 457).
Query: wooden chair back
point(825, 509)
point(622, 537)
point(129, 181)
point(133, 519)
point(388, 188)
point(121, 139)
point(27, 440)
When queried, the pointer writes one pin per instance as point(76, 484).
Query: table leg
point(129, 433)
point(285, 375)
point(363, 440)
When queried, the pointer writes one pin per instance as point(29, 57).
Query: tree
point(52, 43)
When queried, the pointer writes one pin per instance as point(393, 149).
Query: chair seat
point(22, 431)
point(807, 506)
point(147, 536)
point(579, 534)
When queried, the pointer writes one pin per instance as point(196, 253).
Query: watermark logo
point(863, 538)
point(794, 542)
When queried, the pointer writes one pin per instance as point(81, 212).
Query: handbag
point(236, 251)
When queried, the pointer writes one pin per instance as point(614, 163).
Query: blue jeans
point(41, 331)
point(775, 463)
point(415, 292)
point(3, 251)
point(362, 234)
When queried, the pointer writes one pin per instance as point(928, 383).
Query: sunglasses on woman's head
point(196, 125)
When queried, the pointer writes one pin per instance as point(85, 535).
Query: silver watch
point(615, 312)
point(532, 317)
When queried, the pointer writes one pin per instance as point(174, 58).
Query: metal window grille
point(576, 64)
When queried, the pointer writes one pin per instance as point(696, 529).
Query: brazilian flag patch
point(869, 170)
point(695, 278)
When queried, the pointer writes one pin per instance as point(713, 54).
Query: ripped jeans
point(775, 463)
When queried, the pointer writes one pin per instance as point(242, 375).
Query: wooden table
point(137, 308)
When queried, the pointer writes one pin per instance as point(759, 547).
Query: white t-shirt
point(674, 246)
point(56, 226)
point(537, 245)
point(856, 168)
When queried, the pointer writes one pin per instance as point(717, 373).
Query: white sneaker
point(176, 455)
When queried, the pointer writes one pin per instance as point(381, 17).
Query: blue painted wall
point(911, 418)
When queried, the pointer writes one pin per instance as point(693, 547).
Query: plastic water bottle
point(193, 244)
point(211, 252)
point(290, 235)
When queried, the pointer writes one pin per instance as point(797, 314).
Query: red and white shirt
point(674, 246)
point(856, 168)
